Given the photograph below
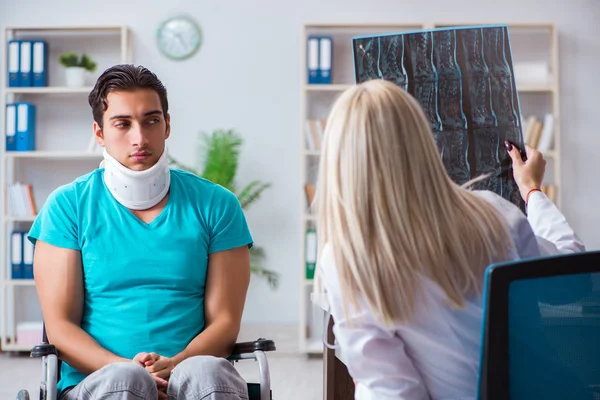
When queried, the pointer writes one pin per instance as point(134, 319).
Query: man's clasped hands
point(160, 368)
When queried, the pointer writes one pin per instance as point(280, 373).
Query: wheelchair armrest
point(261, 344)
point(44, 349)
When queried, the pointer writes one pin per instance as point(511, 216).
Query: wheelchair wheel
point(23, 395)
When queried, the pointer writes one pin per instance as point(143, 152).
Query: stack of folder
point(27, 62)
point(21, 255)
point(20, 126)
point(319, 55)
point(20, 200)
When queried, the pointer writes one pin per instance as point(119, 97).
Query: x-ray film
point(463, 78)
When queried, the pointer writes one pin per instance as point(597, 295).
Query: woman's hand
point(528, 174)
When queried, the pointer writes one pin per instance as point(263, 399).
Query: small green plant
point(70, 59)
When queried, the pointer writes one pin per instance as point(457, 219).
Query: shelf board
point(313, 153)
point(340, 87)
point(16, 347)
point(510, 25)
point(48, 90)
point(19, 282)
point(310, 217)
point(316, 153)
point(320, 300)
point(361, 25)
point(72, 28)
point(63, 155)
point(542, 87)
point(335, 87)
point(314, 346)
point(19, 218)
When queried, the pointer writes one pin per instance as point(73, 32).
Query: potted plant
point(76, 67)
point(219, 154)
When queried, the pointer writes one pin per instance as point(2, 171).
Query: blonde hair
point(390, 211)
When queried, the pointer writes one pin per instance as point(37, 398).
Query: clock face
point(179, 37)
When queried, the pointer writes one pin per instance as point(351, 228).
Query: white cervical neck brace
point(137, 190)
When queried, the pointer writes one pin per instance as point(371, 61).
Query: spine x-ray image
point(463, 78)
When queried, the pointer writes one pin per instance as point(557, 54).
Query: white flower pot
point(75, 76)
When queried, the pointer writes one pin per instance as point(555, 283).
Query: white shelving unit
point(63, 133)
point(533, 42)
point(62, 155)
point(48, 90)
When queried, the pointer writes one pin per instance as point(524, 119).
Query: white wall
point(247, 76)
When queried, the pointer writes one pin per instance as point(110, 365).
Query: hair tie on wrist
point(531, 191)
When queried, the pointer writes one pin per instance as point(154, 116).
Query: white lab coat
point(437, 356)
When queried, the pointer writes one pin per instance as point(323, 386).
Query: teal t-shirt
point(144, 282)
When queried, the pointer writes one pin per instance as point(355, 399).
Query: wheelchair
point(241, 351)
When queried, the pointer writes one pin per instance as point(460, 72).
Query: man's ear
point(98, 134)
point(168, 130)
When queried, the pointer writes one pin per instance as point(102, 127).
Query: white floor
point(294, 376)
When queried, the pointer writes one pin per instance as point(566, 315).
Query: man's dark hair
point(124, 77)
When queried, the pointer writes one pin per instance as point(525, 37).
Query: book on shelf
point(310, 253)
point(538, 133)
point(314, 130)
point(20, 200)
point(309, 189)
point(550, 191)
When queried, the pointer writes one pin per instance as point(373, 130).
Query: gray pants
point(196, 378)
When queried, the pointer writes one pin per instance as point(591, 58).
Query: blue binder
point(325, 59)
point(25, 126)
point(312, 59)
point(319, 53)
point(16, 254)
point(13, 61)
point(27, 256)
point(40, 63)
point(25, 56)
point(10, 128)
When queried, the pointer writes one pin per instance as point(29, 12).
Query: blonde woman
point(403, 249)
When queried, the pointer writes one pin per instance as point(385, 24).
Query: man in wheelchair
point(141, 270)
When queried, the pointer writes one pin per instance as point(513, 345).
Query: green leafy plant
point(70, 59)
point(218, 162)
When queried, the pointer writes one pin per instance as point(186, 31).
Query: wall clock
point(179, 37)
